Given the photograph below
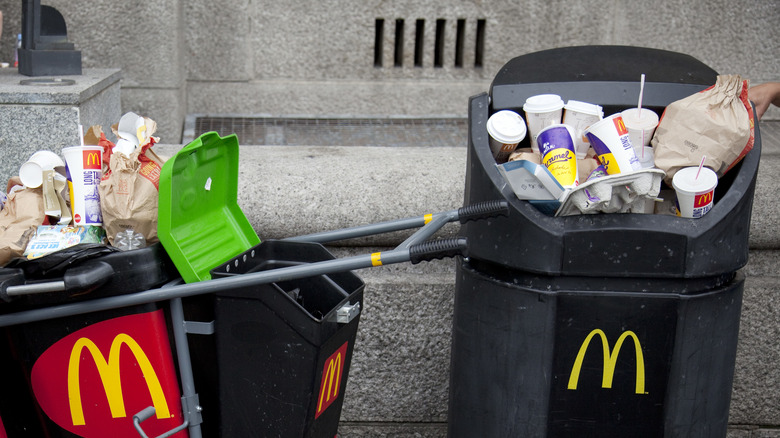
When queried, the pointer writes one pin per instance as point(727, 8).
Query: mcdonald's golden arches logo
point(108, 370)
point(92, 159)
point(332, 373)
point(703, 199)
point(91, 382)
point(610, 360)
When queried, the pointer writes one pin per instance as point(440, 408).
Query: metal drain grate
point(302, 131)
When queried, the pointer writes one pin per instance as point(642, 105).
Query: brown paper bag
point(717, 123)
point(129, 194)
point(19, 219)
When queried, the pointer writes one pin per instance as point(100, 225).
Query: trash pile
point(580, 162)
point(99, 192)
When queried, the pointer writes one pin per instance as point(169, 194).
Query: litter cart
point(602, 325)
point(248, 338)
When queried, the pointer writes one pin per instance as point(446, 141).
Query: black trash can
point(87, 375)
point(283, 349)
point(596, 325)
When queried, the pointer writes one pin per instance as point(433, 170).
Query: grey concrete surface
point(46, 117)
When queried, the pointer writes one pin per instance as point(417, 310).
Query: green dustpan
point(200, 224)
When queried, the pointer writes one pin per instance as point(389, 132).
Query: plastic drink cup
point(646, 157)
point(84, 168)
point(506, 129)
point(556, 143)
point(31, 172)
point(641, 127)
point(695, 196)
point(609, 138)
point(580, 115)
point(542, 111)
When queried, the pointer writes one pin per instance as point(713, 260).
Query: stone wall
point(323, 58)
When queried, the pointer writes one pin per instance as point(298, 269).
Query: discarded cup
point(84, 169)
point(646, 157)
point(641, 127)
point(695, 196)
point(31, 172)
point(580, 115)
point(506, 129)
point(542, 111)
point(556, 143)
point(609, 138)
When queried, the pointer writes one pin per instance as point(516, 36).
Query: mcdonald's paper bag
point(129, 194)
point(19, 219)
point(716, 123)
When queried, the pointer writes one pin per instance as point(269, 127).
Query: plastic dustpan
point(200, 224)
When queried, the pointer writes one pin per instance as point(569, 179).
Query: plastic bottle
point(16, 50)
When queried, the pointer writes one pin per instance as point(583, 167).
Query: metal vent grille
point(302, 131)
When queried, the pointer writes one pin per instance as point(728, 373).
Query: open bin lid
point(200, 223)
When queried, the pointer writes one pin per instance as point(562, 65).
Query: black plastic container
point(26, 346)
point(606, 325)
point(283, 357)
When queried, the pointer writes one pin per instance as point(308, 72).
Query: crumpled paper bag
point(19, 219)
point(716, 123)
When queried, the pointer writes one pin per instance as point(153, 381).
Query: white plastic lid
point(685, 179)
point(543, 103)
point(31, 174)
point(646, 119)
point(584, 107)
point(506, 127)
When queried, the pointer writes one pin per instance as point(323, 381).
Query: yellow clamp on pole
point(428, 217)
point(376, 259)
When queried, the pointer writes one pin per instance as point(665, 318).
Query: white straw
point(81, 134)
point(700, 166)
point(641, 93)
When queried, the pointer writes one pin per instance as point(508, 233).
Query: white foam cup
point(695, 196)
point(506, 129)
point(641, 126)
point(609, 138)
point(542, 111)
point(84, 168)
point(580, 115)
point(31, 172)
point(556, 143)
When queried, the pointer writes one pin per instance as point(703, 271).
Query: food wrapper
point(716, 123)
point(51, 238)
point(19, 219)
point(129, 189)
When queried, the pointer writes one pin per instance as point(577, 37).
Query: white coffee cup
point(695, 196)
point(641, 126)
point(609, 138)
point(542, 111)
point(31, 172)
point(84, 166)
point(580, 115)
point(506, 129)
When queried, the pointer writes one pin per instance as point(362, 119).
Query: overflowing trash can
point(63, 374)
point(597, 324)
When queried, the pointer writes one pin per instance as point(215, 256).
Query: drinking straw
point(81, 134)
point(639, 109)
point(700, 166)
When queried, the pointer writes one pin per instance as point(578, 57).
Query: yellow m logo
point(333, 378)
point(610, 360)
point(109, 375)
